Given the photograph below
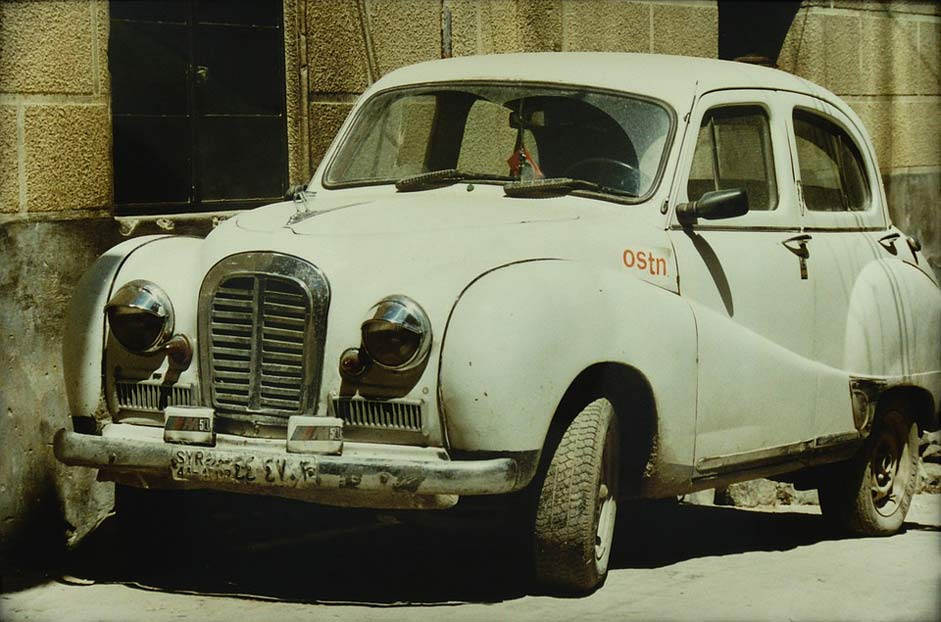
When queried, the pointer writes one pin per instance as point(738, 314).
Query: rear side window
point(734, 151)
point(833, 178)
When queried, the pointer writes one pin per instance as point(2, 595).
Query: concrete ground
point(671, 562)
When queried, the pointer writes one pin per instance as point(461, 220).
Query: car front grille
point(264, 329)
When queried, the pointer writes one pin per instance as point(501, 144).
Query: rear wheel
point(577, 504)
point(871, 493)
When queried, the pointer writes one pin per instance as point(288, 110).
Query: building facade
point(65, 67)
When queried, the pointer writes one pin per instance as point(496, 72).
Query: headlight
point(141, 317)
point(398, 334)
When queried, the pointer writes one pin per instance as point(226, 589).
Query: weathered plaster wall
point(55, 198)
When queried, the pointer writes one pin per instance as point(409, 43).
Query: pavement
point(285, 561)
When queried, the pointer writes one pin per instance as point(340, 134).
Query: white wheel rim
point(605, 532)
point(607, 507)
point(889, 468)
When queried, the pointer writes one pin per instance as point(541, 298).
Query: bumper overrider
point(364, 475)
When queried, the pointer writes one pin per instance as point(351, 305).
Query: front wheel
point(871, 493)
point(577, 505)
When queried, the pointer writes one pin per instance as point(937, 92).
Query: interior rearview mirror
point(714, 205)
point(529, 120)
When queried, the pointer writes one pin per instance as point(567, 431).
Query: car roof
point(674, 79)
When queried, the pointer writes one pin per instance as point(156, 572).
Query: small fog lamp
point(352, 363)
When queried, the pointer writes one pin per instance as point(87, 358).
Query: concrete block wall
point(350, 44)
point(54, 107)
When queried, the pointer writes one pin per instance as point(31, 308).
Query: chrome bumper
point(365, 475)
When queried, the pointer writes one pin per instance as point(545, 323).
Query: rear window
point(833, 177)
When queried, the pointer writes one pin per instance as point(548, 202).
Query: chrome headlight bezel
point(141, 297)
point(404, 314)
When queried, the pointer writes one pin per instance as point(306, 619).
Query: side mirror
point(714, 206)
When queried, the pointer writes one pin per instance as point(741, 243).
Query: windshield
point(506, 132)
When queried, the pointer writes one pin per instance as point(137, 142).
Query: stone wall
point(55, 206)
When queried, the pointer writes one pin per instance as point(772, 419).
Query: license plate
point(212, 466)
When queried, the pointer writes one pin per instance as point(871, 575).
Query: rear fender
point(895, 337)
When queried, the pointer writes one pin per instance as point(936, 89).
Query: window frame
point(787, 214)
point(871, 219)
point(716, 111)
point(321, 178)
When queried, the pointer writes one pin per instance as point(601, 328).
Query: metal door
point(754, 305)
point(198, 105)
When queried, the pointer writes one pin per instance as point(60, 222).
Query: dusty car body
point(574, 277)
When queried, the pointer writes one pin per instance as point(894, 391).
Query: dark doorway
point(754, 30)
point(198, 105)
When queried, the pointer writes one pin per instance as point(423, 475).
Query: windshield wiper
point(557, 186)
point(444, 177)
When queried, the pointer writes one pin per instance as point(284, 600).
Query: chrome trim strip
point(800, 452)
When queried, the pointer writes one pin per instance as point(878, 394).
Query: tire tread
point(564, 550)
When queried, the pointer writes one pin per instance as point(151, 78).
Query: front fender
point(84, 337)
point(519, 335)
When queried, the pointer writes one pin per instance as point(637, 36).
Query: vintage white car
point(579, 278)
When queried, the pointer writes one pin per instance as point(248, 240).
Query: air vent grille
point(152, 396)
point(379, 414)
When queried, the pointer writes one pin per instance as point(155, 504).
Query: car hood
point(431, 245)
point(346, 214)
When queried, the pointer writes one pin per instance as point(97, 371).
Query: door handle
point(888, 242)
point(798, 245)
point(201, 74)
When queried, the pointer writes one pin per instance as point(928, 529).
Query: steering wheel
point(607, 172)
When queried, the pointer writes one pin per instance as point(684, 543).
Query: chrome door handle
point(888, 242)
point(798, 245)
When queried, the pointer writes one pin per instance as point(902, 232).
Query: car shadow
point(664, 534)
point(278, 550)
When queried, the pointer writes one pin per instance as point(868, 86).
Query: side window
point(833, 178)
point(734, 151)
